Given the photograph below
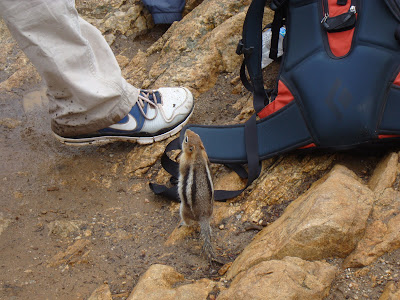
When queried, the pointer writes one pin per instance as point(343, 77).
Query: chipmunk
point(195, 188)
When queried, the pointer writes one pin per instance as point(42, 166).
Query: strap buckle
point(240, 49)
point(277, 4)
point(341, 22)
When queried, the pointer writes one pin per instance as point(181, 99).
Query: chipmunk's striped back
point(195, 187)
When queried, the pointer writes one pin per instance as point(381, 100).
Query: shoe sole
point(102, 140)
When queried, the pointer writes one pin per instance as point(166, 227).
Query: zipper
point(325, 9)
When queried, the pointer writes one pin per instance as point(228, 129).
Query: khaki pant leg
point(85, 86)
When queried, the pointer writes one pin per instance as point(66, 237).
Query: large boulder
point(161, 282)
point(289, 278)
point(283, 180)
point(382, 234)
point(326, 221)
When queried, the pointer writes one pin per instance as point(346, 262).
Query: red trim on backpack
point(339, 42)
point(388, 136)
point(308, 146)
point(397, 80)
point(283, 98)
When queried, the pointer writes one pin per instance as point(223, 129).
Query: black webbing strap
point(276, 25)
point(172, 167)
point(394, 6)
point(243, 78)
point(251, 141)
point(253, 161)
point(252, 50)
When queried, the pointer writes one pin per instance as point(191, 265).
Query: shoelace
point(149, 97)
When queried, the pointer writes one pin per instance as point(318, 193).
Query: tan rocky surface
point(391, 291)
point(385, 173)
point(160, 282)
point(382, 235)
point(326, 221)
point(101, 293)
point(72, 219)
point(289, 278)
point(282, 180)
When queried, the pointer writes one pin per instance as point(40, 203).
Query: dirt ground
point(54, 196)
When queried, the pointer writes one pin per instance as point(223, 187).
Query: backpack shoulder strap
point(394, 6)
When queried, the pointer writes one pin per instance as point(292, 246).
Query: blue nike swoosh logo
point(129, 125)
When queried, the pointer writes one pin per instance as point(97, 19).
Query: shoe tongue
point(158, 97)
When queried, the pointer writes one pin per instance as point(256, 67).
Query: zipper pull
point(325, 18)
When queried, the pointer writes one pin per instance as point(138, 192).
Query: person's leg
point(85, 86)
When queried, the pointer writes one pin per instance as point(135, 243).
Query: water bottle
point(266, 45)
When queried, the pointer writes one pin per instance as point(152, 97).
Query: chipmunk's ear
point(191, 148)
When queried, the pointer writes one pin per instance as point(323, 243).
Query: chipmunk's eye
point(186, 139)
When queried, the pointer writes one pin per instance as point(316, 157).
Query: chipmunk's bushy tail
point(205, 231)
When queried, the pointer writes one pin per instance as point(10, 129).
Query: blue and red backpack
point(338, 85)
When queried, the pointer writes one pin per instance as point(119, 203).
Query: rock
point(179, 234)
point(387, 205)
point(101, 293)
point(122, 60)
point(3, 223)
point(112, 17)
point(88, 233)
point(382, 235)
point(224, 269)
point(283, 180)
point(35, 99)
point(135, 70)
point(385, 173)
point(190, 5)
point(391, 291)
point(25, 73)
point(77, 253)
point(159, 282)
point(134, 21)
point(289, 278)
point(62, 228)
point(15, 66)
point(10, 123)
point(229, 181)
point(245, 105)
point(121, 234)
point(148, 154)
point(223, 210)
point(195, 50)
point(136, 187)
point(163, 177)
point(326, 221)
point(97, 8)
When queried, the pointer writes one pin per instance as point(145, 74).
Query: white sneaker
point(157, 115)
